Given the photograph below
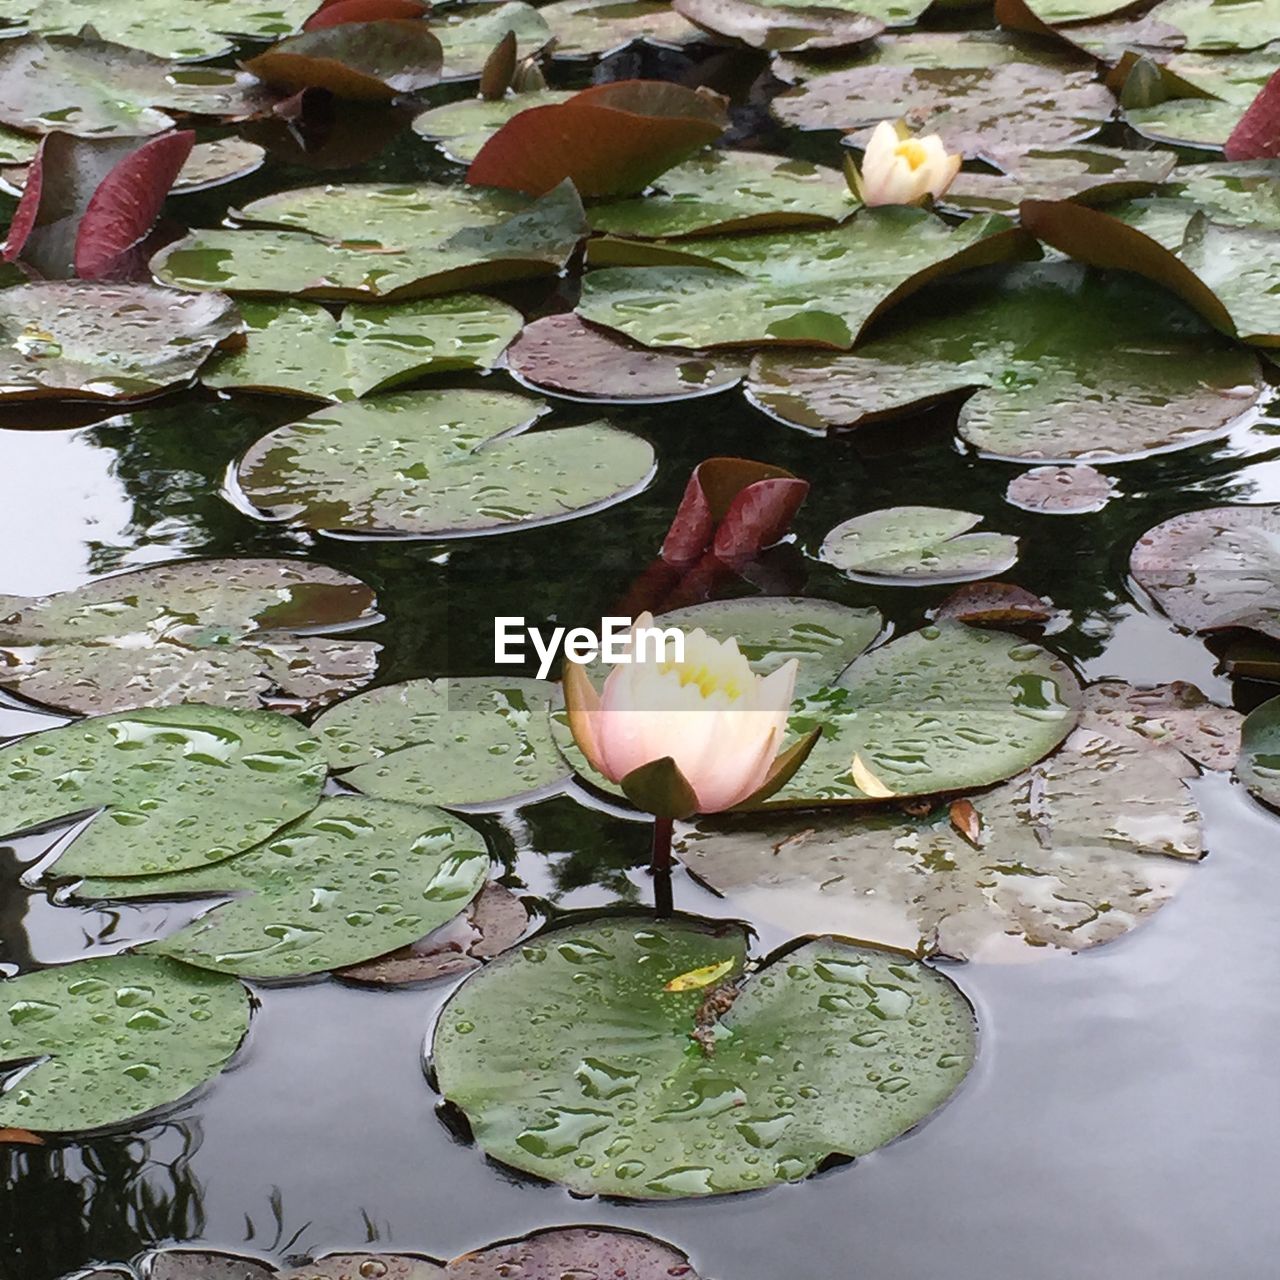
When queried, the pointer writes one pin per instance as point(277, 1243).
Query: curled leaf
point(705, 976)
point(867, 782)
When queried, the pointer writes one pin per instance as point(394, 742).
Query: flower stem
point(661, 867)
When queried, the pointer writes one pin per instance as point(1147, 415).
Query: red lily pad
point(88, 202)
point(357, 61)
point(563, 356)
point(611, 139)
point(1257, 136)
point(334, 13)
point(584, 1252)
point(1061, 491)
point(733, 508)
point(993, 604)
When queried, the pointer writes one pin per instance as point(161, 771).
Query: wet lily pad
point(494, 921)
point(607, 1091)
point(586, 27)
point(95, 89)
point(814, 288)
point(1061, 491)
point(1259, 764)
point(977, 110)
point(353, 879)
point(1070, 855)
point(1176, 715)
point(202, 1264)
point(468, 33)
point(1092, 175)
point(462, 128)
point(169, 788)
point(1057, 12)
point(212, 631)
point(1068, 365)
point(945, 709)
point(562, 356)
point(785, 27)
point(993, 604)
point(167, 28)
point(581, 1252)
point(353, 469)
point(409, 241)
point(1220, 25)
point(87, 341)
point(114, 1037)
point(466, 741)
point(917, 544)
point(731, 191)
point(1243, 194)
point(300, 348)
point(1214, 569)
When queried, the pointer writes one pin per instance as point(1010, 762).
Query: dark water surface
point(1123, 1117)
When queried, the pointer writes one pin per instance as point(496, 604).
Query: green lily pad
point(439, 464)
point(584, 28)
point(408, 241)
point(1093, 175)
point(467, 741)
point(1057, 12)
point(1259, 764)
point(1230, 274)
point(94, 89)
point(1071, 855)
point(1221, 25)
point(462, 128)
point(1243, 194)
point(1067, 365)
point(945, 709)
point(354, 879)
point(85, 341)
point(917, 544)
point(469, 32)
point(1215, 569)
point(113, 1037)
point(893, 13)
point(731, 191)
point(815, 288)
point(16, 148)
point(168, 788)
point(831, 1049)
point(777, 27)
point(213, 631)
point(167, 28)
point(299, 348)
point(978, 110)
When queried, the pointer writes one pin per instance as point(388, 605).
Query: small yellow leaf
point(867, 782)
point(695, 979)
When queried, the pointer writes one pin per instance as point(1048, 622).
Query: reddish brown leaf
point(611, 139)
point(336, 13)
point(360, 62)
point(733, 508)
point(1257, 136)
point(20, 1137)
point(499, 69)
point(993, 604)
point(967, 821)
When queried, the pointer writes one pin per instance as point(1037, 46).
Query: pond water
point(1122, 1116)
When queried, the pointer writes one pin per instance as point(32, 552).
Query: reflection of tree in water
point(62, 1207)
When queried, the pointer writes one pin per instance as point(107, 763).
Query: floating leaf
point(1091, 175)
point(772, 1088)
point(562, 356)
point(211, 631)
point(610, 139)
point(462, 128)
point(590, 1253)
point(217, 161)
point(587, 27)
point(1061, 491)
point(780, 28)
point(1068, 366)
point(1068, 856)
point(1259, 764)
point(88, 341)
point(917, 544)
point(494, 921)
point(88, 87)
point(468, 34)
point(1220, 25)
point(940, 710)
point(359, 62)
point(1177, 715)
point(1058, 12)
point(201, 1264)
point(168, 788)
point(167, 28)
point(333, 13)
point(697, 979)
point(113, 1037)
point(1244, 194)
point(815, 288)
point(300, 348)
point(466, 741)
point(413, 240)
point(353, 879)
point(1009, 106)
point(993, 604)
point(469, 465)
point(731, 191)
point(1214, 569)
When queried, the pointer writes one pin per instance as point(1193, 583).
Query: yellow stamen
point(912, 151)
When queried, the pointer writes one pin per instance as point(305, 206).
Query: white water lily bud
point(904, 170)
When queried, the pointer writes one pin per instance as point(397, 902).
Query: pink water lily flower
point(696, 736)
